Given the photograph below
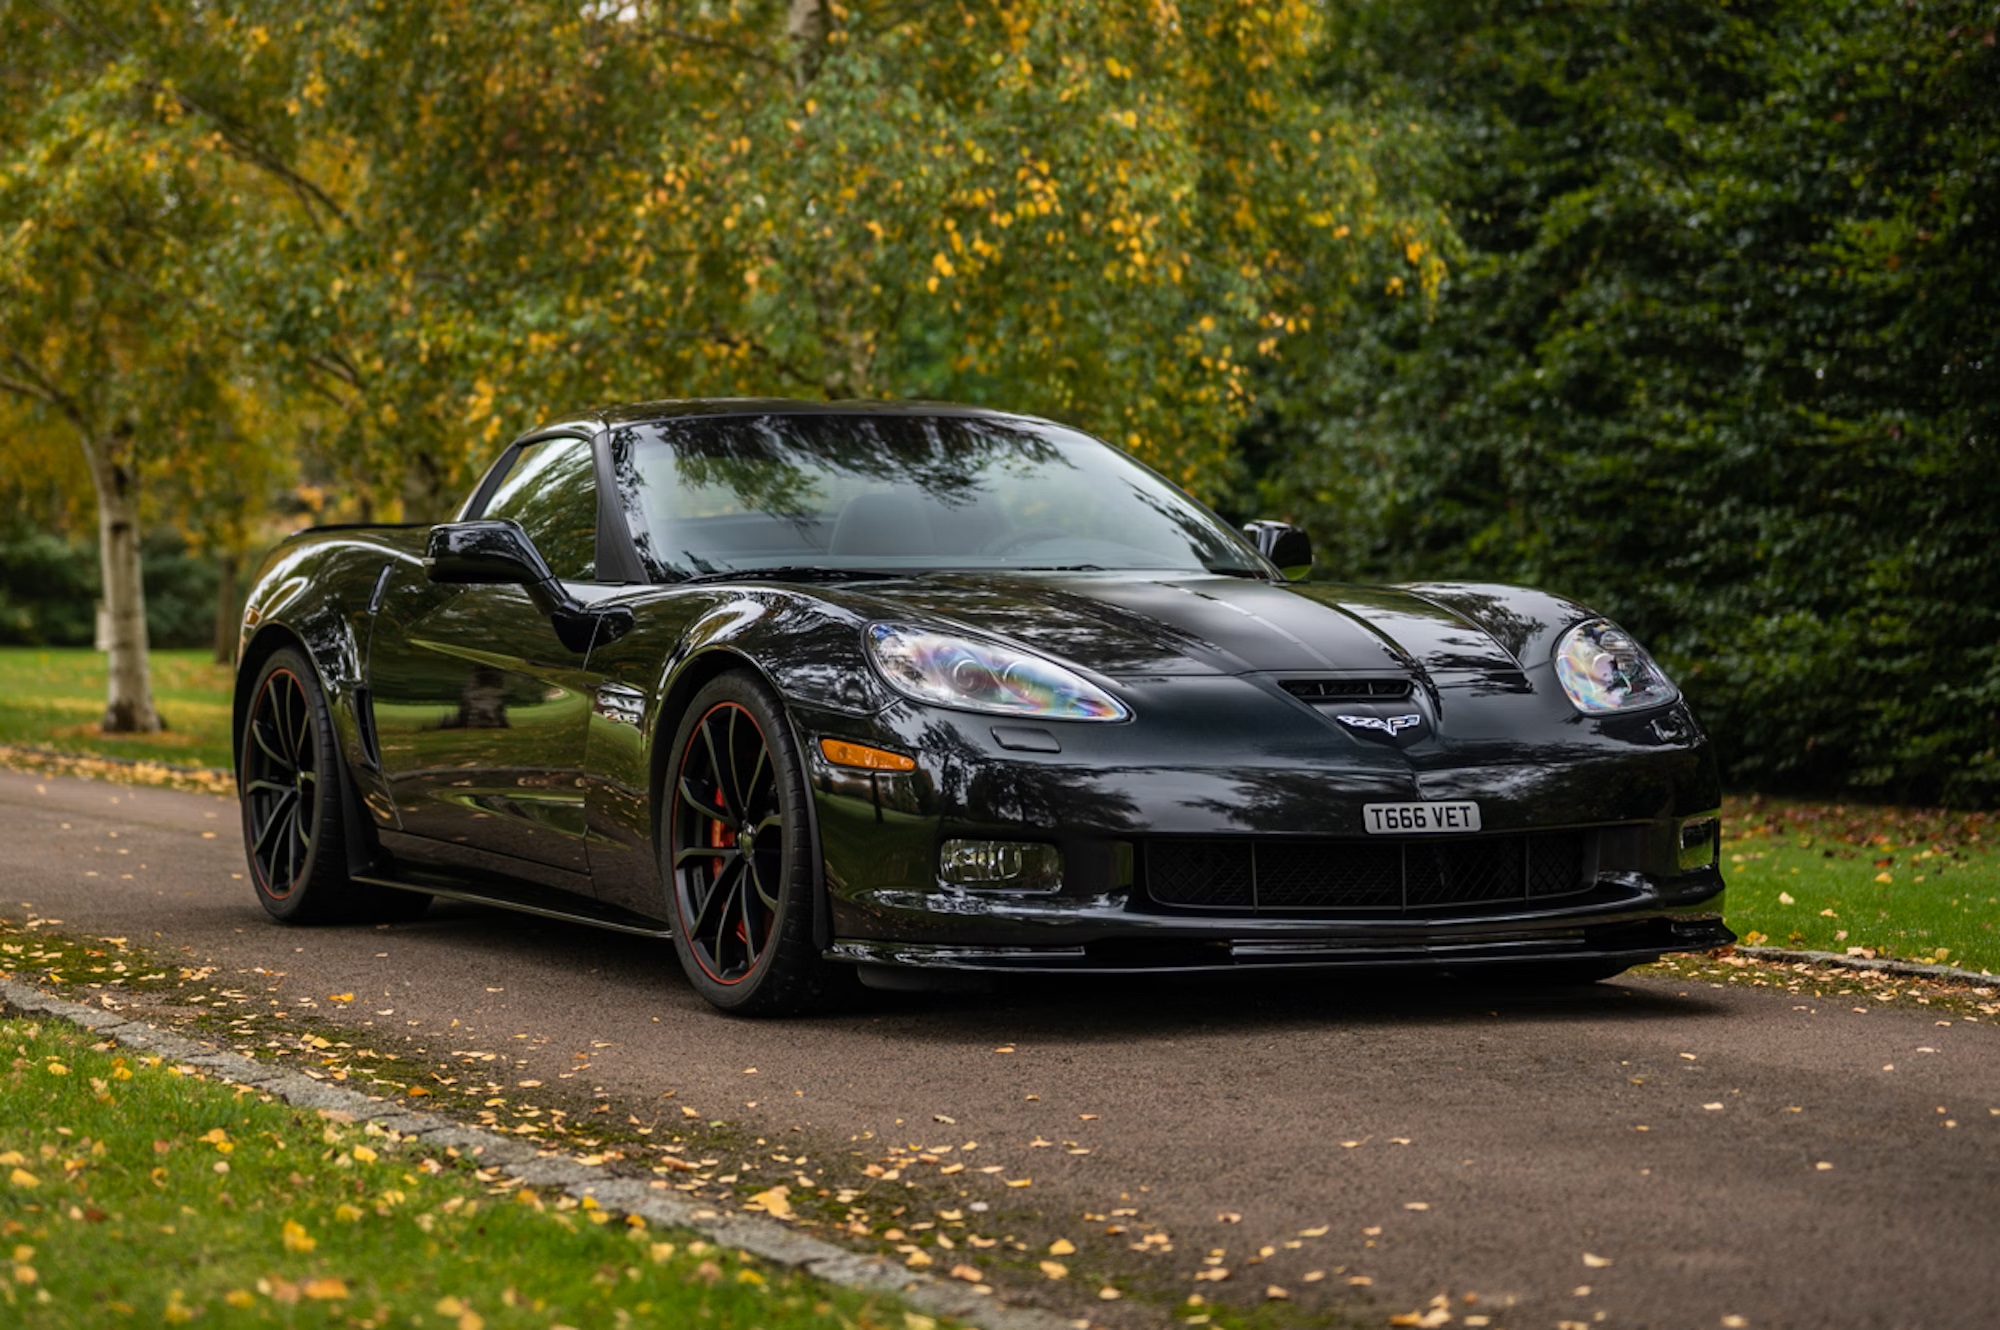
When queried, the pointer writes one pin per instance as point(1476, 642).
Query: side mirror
point(1283, 544)
point(498, 553)
point(484, 553)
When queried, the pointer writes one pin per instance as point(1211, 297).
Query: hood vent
point(1319, 691)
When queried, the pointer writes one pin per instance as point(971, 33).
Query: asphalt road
point(1738, 1156)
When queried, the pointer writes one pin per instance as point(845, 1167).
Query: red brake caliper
point(718, 838)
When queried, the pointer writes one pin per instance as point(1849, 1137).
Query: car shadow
point(1094, 1008)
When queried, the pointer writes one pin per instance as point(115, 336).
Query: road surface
point(1649, 1152)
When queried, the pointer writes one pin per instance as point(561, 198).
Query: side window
point(551, 490)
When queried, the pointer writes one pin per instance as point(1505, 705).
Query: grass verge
point(134, 1193)
point(935, 1208)
point(1919, 884)
point(53, 697)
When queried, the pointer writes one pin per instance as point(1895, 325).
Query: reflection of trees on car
point(902, 490)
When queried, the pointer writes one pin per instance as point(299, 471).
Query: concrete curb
point(760, 1236)
point(1948, 972)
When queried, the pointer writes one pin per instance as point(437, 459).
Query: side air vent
point(1318, 691)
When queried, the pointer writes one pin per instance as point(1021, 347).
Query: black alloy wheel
point(294, 813)
point(738, 853)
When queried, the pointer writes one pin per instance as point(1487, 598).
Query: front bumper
point(1129, 807)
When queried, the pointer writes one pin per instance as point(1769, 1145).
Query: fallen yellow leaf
point(1055, 1269)
point(296, 1237)
point(1062, 1247)
point(326, 1289)
point(775, 1202)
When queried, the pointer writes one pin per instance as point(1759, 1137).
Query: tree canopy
point(1719, 356)
point(1684, 308)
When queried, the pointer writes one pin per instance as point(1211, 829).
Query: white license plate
point(1419, 819)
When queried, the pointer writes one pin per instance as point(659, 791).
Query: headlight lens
point(985, 676)
point(1603, 669)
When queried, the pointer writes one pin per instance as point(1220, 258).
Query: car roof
point(632, 413)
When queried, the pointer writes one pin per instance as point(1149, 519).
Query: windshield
point(893, 493)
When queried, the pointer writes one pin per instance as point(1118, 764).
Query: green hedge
point(1719, 356)
point(49, 588)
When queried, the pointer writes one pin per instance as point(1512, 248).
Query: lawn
point(1913, 883)
point(131, 1194)
point(53, 697)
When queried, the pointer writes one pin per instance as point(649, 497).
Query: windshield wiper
point(790, 573)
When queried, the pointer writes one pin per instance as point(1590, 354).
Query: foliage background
point(1684, 309)
point(1718, 356)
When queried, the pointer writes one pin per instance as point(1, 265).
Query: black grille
point(1345, 690)
point(1277, 877)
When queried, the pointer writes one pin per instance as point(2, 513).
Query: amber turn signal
point(844, 754)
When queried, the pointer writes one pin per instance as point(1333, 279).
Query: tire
point(294, 802)
point(737, 852)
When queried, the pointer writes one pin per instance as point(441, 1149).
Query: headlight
point(1603, 669)
point(985, 676)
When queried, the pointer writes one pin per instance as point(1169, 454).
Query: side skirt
point(570, 909)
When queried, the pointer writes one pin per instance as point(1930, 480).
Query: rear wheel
point(739, 852)
point(294, 805)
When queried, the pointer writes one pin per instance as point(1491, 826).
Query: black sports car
point(927, 689)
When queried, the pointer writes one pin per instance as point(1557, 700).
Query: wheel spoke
point(280, 787)
point(749, 791)
point(708, 808)
point(769, 898)
point(292, 846)
point(718, 887)
point(753, 945)
point(717, 772)
point(720, 938)
point(304, 748)
point(280, 812)
point(700, 852)
point(281, 721)
point(734, 744)
point(263, 742)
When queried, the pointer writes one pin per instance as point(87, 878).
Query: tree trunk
point(807, 23)
point(128, 707)
point(228, 614)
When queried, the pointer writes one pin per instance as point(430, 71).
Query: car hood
point(1126, 625)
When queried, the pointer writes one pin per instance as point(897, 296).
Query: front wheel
point(294, 806)
point(739, 852)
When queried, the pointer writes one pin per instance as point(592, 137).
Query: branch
point(335, 366)
point(37, 386)
point(717, 44)
point(237, 136)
